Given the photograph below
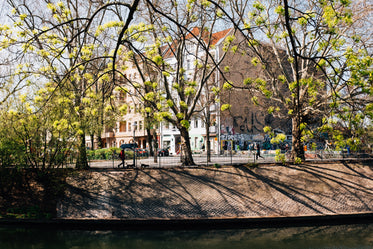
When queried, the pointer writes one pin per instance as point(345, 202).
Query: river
point(341, 236)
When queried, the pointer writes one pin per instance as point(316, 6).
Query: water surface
point(341, 237)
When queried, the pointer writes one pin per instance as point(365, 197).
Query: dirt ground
point(227, 192)
point(31, 193)
point(267, 190)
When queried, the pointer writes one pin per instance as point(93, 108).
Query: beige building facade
point(241, 125)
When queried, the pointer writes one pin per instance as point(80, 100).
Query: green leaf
point(225, 107)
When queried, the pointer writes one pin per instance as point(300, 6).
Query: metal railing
point(227, 158)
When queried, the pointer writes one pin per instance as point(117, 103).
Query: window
point(196, 123)
point(137, 108)
point(129, 126)
point(140, 125)
point(167, 125)
point(123, 126)
point(137, 125)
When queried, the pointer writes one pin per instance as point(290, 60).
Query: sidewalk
point(216, 160)
point(174, 161)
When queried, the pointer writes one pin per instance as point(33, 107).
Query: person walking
point(122, 156)
point(258, 151)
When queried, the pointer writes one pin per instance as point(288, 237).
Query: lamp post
point(134, 126)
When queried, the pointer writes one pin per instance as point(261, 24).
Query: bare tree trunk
point(149, 140)
point(155, 147)
point(187, 158)
point(81, 161)
point(208, 144)
point(44, 150)
point(92, 141)
point(297, 146)
point(100, 142)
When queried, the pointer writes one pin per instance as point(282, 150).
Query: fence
point(228, 158)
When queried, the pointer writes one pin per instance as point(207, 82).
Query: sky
point(3, 11)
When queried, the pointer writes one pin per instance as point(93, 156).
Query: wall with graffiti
point(243, 125)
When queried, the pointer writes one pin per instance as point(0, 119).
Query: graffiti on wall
point(247, 122)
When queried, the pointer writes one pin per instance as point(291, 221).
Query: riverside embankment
point(271, 191)
point(266, 193)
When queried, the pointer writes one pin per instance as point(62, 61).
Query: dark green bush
point(104, 154)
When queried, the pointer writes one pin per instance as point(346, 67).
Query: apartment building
point(170, 136)
point(241, 125)
point(130, 126)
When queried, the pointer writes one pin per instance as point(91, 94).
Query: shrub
point(280, 157)
point(102, 154)
point(298, 160)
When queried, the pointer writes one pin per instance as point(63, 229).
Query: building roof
point(218, 36)
point(168, 50)
point(215, 37)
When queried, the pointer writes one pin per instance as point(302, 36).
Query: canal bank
point(266, 195)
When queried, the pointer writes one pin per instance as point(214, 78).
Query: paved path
point(227, 192)
point(174, 161)
point(201, 160)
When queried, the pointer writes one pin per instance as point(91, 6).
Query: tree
point(321, 64)
point(67, 57)
point(315, 39)
point(180, 57)
point(208, 101)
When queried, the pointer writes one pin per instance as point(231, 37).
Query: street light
point(134, 126)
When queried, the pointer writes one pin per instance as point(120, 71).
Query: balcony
point(212, 129)
point(109, 134)
point(213, 108)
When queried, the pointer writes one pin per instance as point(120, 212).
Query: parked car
point(142, 152)
point(163, 152)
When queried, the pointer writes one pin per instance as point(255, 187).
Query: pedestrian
point(225, 145)
point(122, 156)
point(258, 151)
point(327, 145)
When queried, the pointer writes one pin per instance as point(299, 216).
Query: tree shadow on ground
point(226, 192)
